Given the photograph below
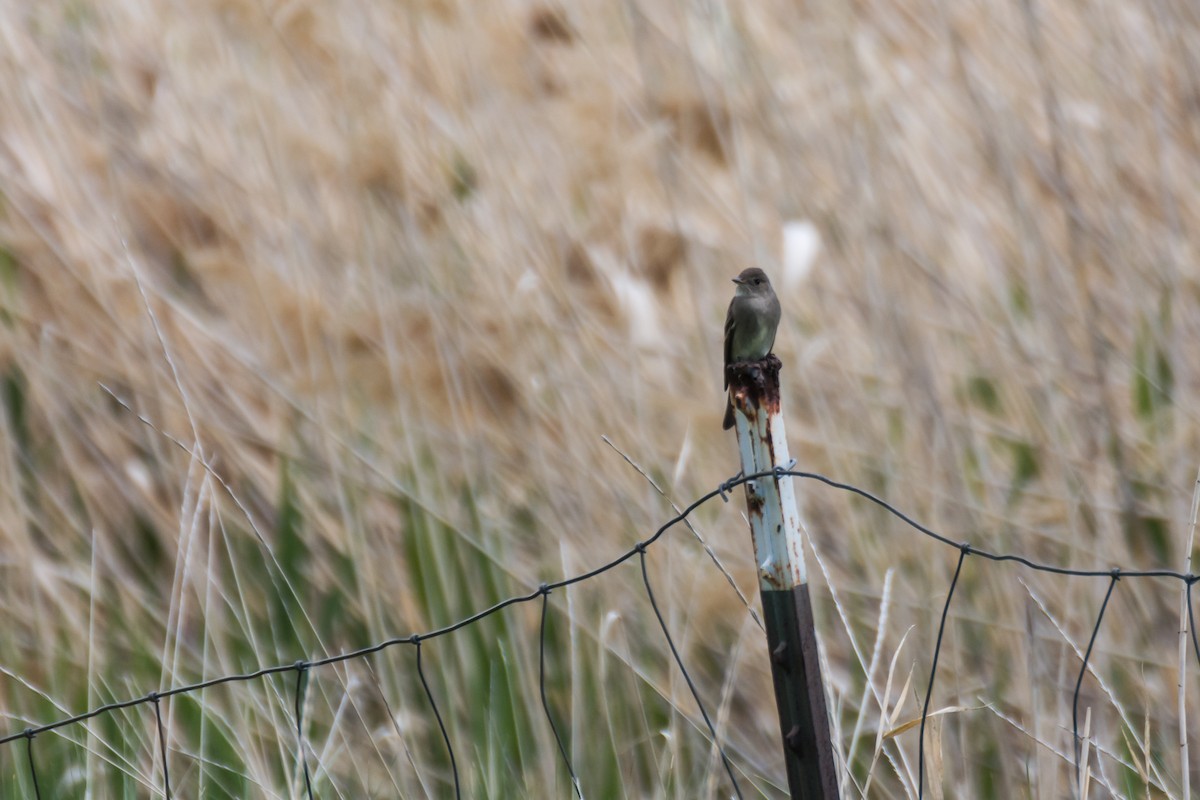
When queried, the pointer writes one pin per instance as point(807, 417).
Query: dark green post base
point(800, 693)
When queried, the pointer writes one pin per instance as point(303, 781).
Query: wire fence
point(303, 667)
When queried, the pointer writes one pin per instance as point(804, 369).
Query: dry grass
point(393, 269)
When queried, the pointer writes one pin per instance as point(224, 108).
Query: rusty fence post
point(783, 582)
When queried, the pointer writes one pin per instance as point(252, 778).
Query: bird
point(750, 325)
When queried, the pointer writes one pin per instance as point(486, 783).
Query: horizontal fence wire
point(303, 667)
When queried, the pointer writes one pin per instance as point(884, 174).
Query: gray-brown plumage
point(750, 324)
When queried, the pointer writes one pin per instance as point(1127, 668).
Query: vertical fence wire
point(416, 641)
point(1112, 584)
point(162, 743)
point(301, 668)
point(662, 623)
point(37, 791)
point(545, 590)
point(964, 551)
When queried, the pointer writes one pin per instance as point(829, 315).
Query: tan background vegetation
point(392, 269)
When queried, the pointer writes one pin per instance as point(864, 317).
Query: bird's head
point(752, 281)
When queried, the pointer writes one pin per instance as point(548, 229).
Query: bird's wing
point(728, 340)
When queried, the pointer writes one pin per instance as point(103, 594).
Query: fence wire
point(303, 667)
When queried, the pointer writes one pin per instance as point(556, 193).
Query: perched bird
point(750, 324)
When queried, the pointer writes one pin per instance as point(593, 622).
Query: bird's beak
point(738, 281)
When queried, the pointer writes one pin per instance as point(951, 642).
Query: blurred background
point(313, 315)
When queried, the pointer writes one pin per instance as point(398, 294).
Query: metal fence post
point(783, 582)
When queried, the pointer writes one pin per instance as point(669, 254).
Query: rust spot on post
point(755, 384)
point(772, 579)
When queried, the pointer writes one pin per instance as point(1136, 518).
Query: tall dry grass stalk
point(389, 271)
